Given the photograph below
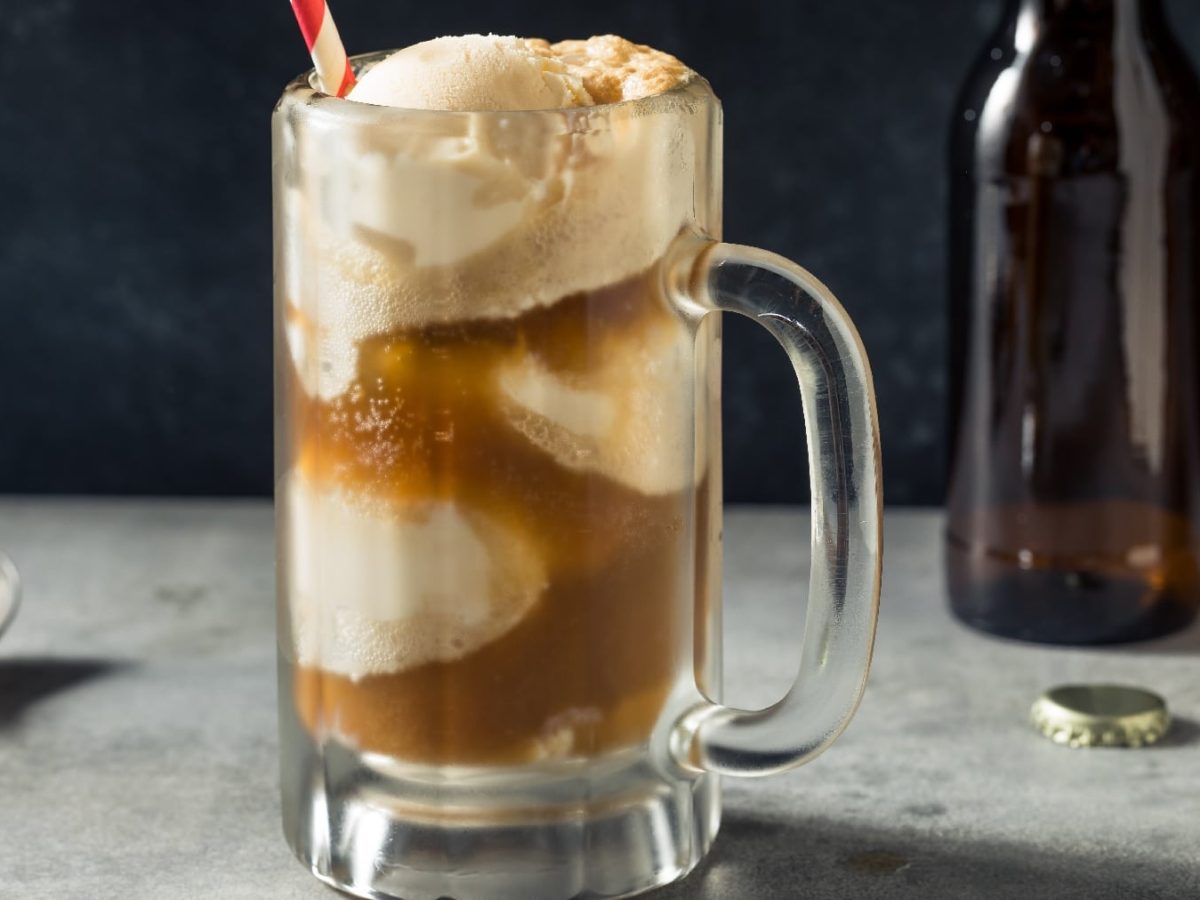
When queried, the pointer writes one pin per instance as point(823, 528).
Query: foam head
point(380, 587)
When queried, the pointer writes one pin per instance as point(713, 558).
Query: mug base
point(375, 827)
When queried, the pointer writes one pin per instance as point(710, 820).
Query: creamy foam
point(484, 216)
point(613, 69)
point(628, 417)
point(380, 588)
point(476, 72)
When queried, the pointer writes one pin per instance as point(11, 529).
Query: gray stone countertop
point(138, 745)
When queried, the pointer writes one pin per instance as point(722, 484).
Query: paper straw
point(328, 54)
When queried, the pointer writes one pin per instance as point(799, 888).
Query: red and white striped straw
point(328, 54)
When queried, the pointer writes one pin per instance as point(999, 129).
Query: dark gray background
point(135, 275)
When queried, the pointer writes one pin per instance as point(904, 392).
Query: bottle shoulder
point(1073, 102)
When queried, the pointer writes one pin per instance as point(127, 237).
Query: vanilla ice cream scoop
point(475, 73)
point(624, 418)
point(378, 587)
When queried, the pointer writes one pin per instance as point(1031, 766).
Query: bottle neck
point(1027, 20)
point(1095, 10)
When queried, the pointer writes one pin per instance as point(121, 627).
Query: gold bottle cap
point(1100, 715)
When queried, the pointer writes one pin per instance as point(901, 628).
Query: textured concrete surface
point(137, 731)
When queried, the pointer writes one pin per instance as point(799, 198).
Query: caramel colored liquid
point(588, 667)
point(1087, 572)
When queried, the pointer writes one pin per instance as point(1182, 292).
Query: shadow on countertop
point(759, 858)
point(1182, 643)
point(26, 681)
point(1185, 642)
point(1183, 731)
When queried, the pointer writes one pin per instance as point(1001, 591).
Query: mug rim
point(304, 89)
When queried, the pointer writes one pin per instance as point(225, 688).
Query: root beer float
point(489, 485)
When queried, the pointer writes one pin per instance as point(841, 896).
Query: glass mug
point(499, 495)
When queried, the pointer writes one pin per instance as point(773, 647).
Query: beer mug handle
point(844, 474)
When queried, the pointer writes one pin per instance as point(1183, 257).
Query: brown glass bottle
point(1075, 330)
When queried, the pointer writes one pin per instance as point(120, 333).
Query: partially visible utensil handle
point(10, 592)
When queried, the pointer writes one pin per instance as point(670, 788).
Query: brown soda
point(594, 659)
